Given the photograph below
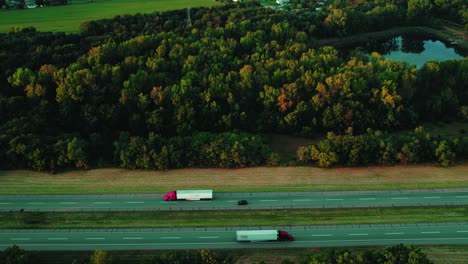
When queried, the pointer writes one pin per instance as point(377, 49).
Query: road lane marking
point(132, 238)
point(36, 203)
point(400, 198)
point(20, 238)
point(57, 238)
point(95, 238)
point(367, 198)
point(431, 232)
point(462, 231)
point(68, 203)
point(268, 200)
point(465, 196)
point(126, 245)
point(209, 237)
point(401, 233)
point(232, 201)
point(432, 197)
point(322, 235)
point(101, 202)
point(302, 200)
point(362, 234)
point(170, 237)
point(337, 199)
point(134, 202)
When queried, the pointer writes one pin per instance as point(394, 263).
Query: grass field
point(233, 218)
point(107, 181)
point(67, 18)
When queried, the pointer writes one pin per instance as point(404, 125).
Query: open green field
point(233, 218)
point(110, 181)
point(67, 18)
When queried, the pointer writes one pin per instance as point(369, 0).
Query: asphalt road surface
point(227, 201)
point(193, 238)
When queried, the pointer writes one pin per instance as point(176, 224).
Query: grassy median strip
point(231, 218)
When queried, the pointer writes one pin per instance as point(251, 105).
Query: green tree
point(101, 257)
point(419, 11)
point(15, 255)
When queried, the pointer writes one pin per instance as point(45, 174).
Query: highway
point(227, 201)
point(197, 238)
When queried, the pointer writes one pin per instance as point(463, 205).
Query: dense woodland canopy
point(152, 91)
point(397, 254)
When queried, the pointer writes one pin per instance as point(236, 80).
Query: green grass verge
point(114, 181)
point(67, 18)
point(232, 218)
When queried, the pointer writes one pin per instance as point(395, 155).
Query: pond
point(412, 48)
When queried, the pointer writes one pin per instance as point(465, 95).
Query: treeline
point(401, 254)
point(398, 254)
point(142, 80)
point(358, 16)
point(17, 255)
point(384, 149)
point(224, 150)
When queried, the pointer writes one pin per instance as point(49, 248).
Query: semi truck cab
point(285, 236)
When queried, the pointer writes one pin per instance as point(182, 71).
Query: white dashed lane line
point(170, 237)
point(209, 237)
point(302, 200)
point(134, 202)
point(20, 238)
point(57, 238)
point(462, 231)
point(95, 238)
point(432, 197)
point(365, 199)
point(268, 200)
point(337, 199)
point(132, 238)
point(463, 196)
point(361, 234)
point(68, 203)
point(36, 203)
point(395, 233)
point(101, 202)
point(322, 235)
point(400, 198)
point(431, 232)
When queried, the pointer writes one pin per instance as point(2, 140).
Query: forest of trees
point(384, 149)
point(397, 254)
point(148, 91)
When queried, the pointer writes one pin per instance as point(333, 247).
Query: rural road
point(227, 201)
point(197, 238)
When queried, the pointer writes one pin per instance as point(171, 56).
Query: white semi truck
point(263, 235)
point(192, 195)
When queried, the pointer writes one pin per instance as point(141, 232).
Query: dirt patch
point(288, 145)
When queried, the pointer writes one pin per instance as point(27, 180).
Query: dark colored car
point(242, 202)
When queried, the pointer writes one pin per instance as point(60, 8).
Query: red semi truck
point(191, 195)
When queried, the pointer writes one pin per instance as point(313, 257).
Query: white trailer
point(194, 194)
point(263, 235)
